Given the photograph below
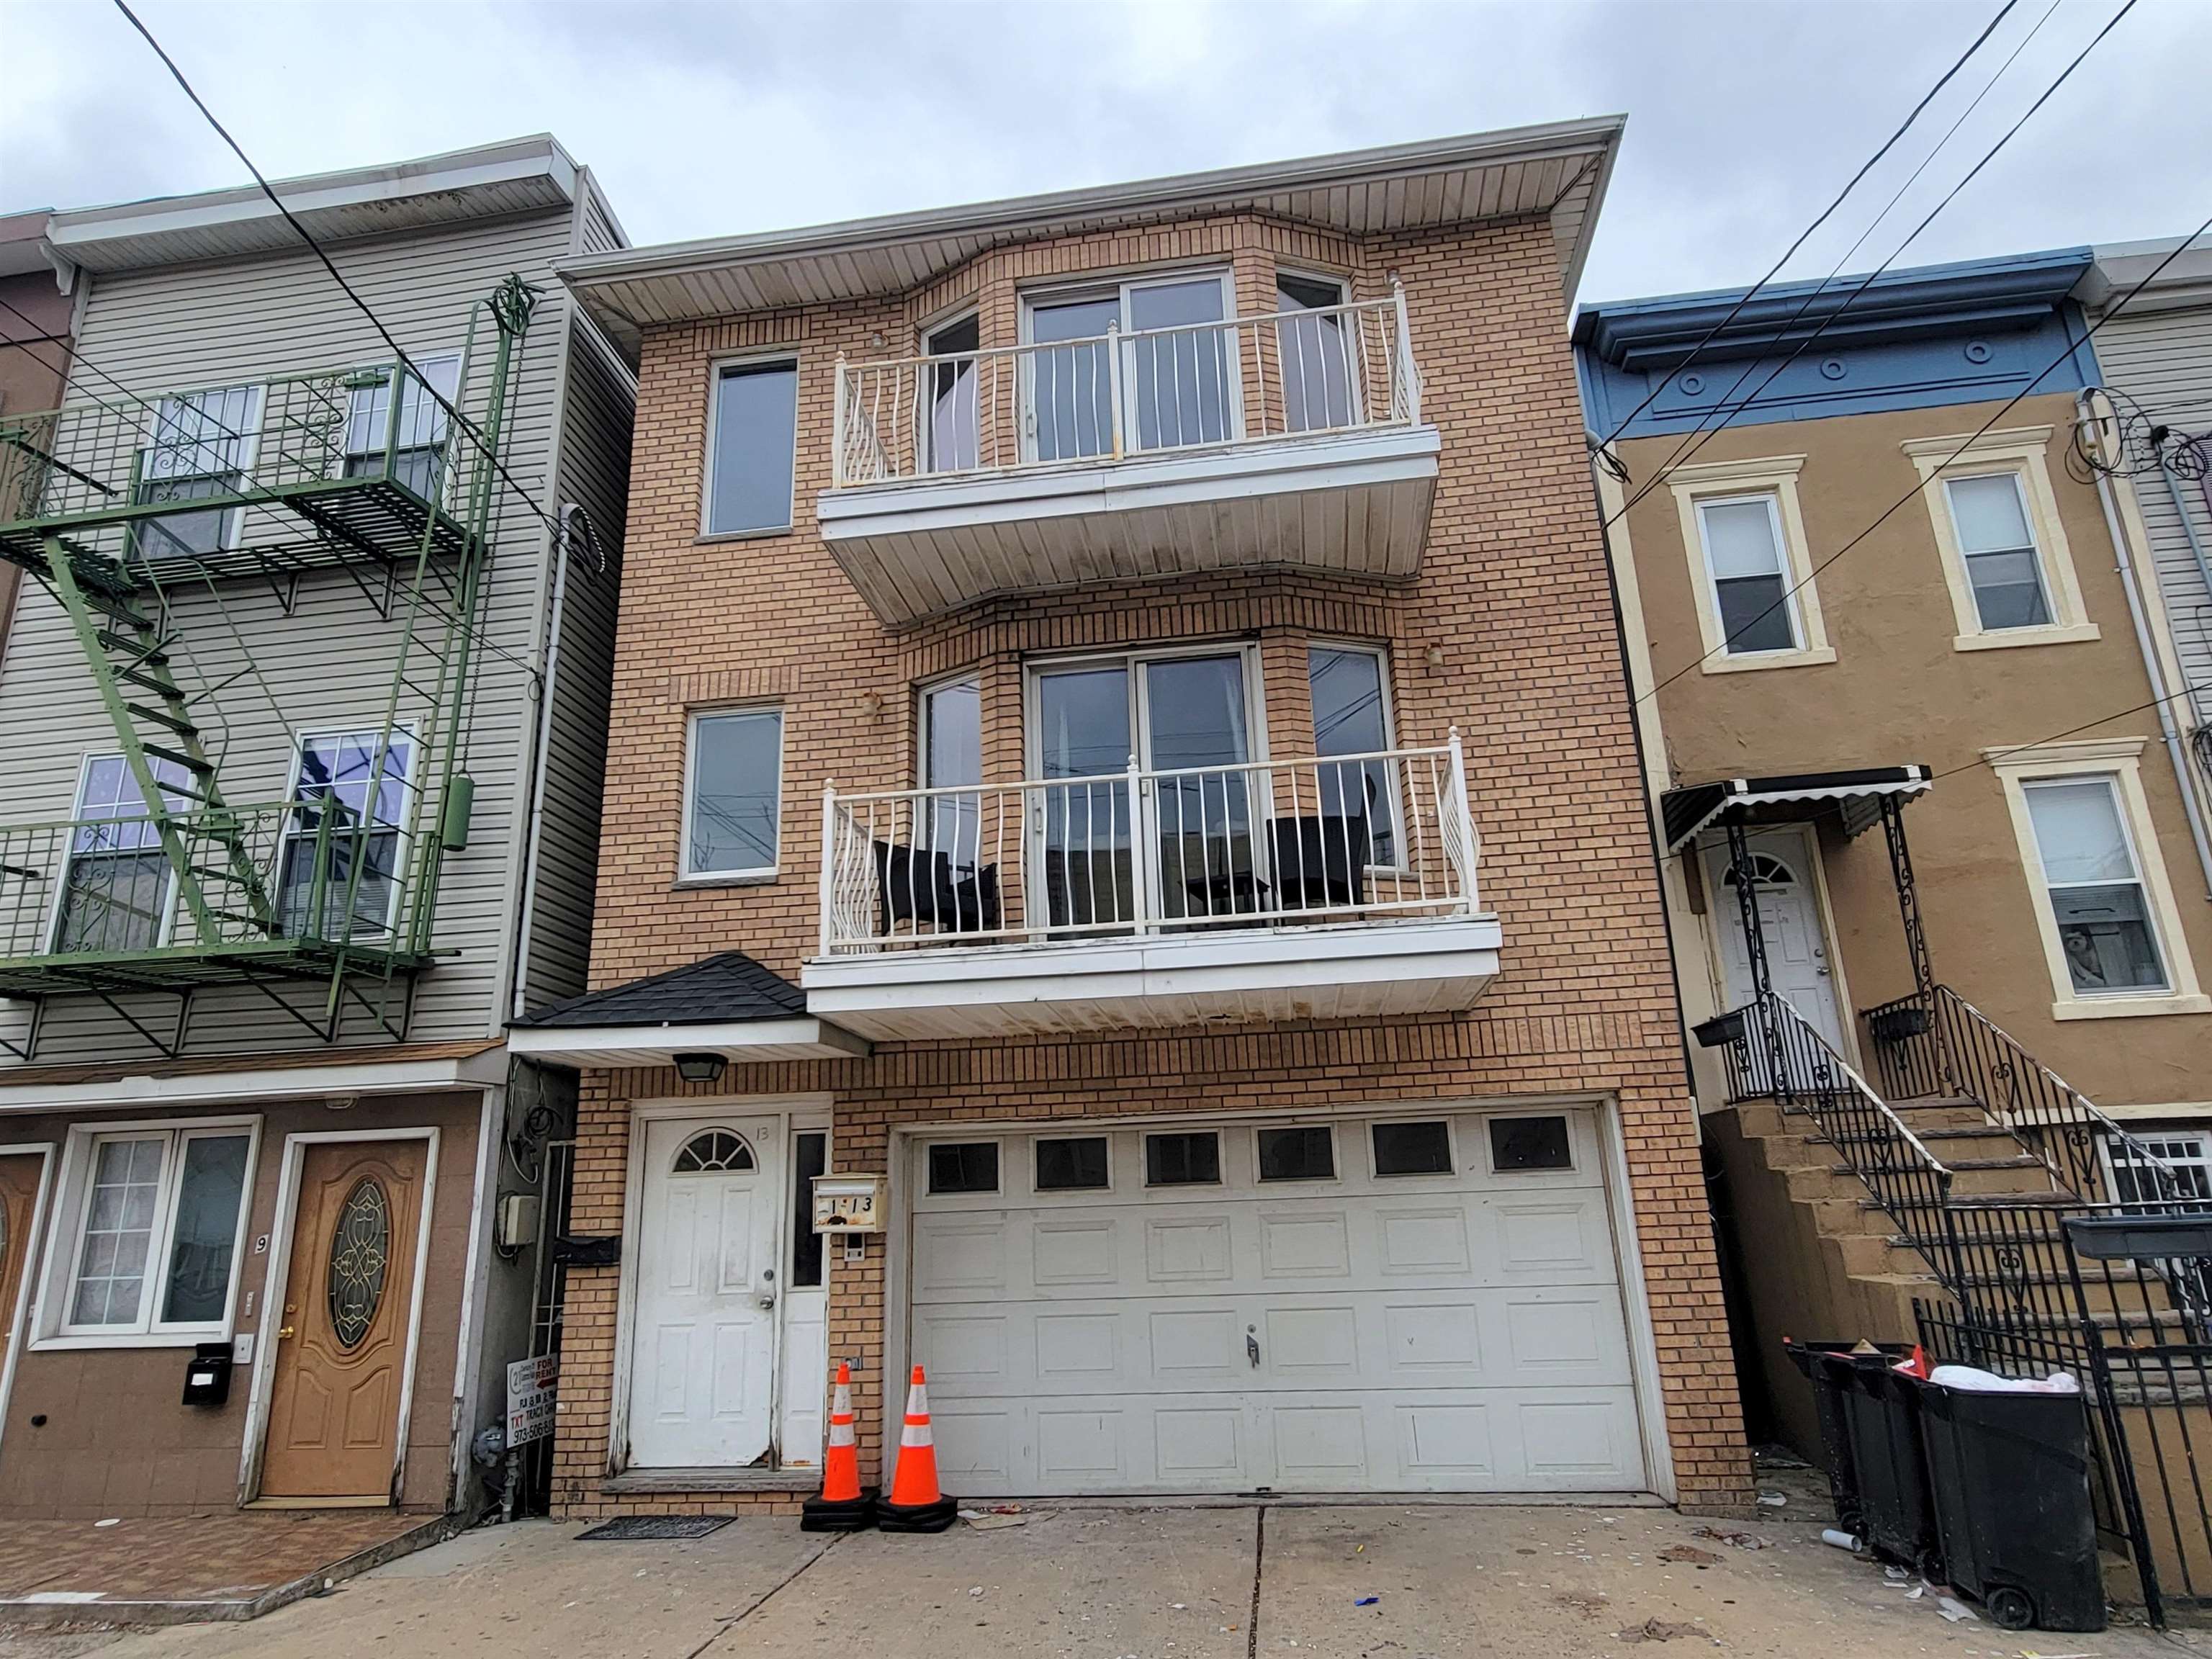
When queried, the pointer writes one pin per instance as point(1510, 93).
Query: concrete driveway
point(1103, 1583)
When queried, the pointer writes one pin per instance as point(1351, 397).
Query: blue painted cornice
point(1980, 296)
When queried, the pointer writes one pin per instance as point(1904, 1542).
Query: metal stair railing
point(1774, 1051)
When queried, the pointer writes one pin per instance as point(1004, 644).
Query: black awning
point(1855, 796)
point(719, 990)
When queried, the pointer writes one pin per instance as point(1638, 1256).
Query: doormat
point(633, 1529)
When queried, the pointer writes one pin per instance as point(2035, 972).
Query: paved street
point(1105, 1583)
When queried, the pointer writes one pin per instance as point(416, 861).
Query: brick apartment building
point(1119, 735)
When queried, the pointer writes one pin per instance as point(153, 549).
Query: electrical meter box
point(849, 1204)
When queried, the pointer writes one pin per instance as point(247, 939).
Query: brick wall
point(1514, 603)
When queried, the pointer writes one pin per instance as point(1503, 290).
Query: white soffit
point(1559, 170)
point(616, 1047)
point(370, 1077)
point(522, 175)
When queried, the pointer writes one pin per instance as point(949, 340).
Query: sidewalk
point(1449, 1581)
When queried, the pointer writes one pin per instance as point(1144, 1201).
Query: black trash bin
point(2010, 1477)
point(1870, 1434)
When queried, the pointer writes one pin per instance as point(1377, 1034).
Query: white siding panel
point(2163, 360)
point(329, 663)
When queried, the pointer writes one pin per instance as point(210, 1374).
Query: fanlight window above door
point(361, 1254)
point(712, 1151)
point(1765, 872)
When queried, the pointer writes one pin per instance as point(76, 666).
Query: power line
point(2056, 737)
point(316, 248)
point(2002, 409)
point(1725, 406)
point(1790, 251)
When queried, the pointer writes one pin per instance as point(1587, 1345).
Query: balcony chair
point(918, 885)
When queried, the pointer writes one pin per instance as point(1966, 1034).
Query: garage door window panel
point(1307, 1152)
point(1412, 1149)
point(1183, 1160)
point(1522, 1145)
point(963, 1166)
point(1074, 1163)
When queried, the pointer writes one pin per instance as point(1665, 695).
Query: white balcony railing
point(1150, 391)
point(1354, 838)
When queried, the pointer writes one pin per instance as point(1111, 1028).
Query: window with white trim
point(200, 447)
point(2187, 1158)
point(732, 806)
point(416, 441)
point(336, 822)
point(1997, 544)
point(2093, 884)
point(117, 890)
point(1750, 573)
point(1350, 692)
point(154, 1231)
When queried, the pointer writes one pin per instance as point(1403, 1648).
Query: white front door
point(1428, 1300)
point(1788, 924)
point(702, 1365)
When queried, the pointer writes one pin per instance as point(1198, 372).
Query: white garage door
point(1399, 1304)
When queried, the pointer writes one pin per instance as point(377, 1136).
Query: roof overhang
point(741, 1041)
point(1855, 796)
point(2184, 282)
point(1559, 171)
point(521, 175)
point(1893, 307)
point(486, 1068)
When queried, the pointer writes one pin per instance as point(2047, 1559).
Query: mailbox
point(206, 1378)
point(849, 1204)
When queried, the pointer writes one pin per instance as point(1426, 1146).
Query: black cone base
point(918, 1517)
point(828, 1515)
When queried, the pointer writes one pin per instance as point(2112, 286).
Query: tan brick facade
point(1508, 634)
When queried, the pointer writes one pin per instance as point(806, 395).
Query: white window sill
point(2123, 1007)
point(2004, 637)
point(80, 1341)
point(1724, 664)
point(745, 879)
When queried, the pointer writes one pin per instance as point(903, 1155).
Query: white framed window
point(1179, 379)
point(2187, 1155)
point(952, 441)
point(418, 441)
point(1319, 347)
point(2111, 934)
point(336, 820)
point(2003, 547)
point(732, 794)
point(118, 890)
point(200, 447)
point(953, 756)
point(752, 435)
point(1743, 532)
point(1350, 689)
point(150, 1228)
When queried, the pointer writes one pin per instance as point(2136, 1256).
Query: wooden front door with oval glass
point(342, 1342)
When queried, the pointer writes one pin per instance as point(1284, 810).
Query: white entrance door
point(702, 1366)
point(1789, 925)
point(1425, 1302)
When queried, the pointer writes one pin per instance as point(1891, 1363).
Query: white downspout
point(2124, 554)
point(526, 909)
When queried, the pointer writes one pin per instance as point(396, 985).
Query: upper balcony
point(1316, 889)
point(264, 477)
point(1290, 439)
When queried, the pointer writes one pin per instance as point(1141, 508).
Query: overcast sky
point(710, 119)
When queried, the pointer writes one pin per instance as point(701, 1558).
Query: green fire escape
point(131, 511)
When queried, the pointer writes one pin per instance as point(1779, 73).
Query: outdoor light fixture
point(700, 1068)
point(1434, 656)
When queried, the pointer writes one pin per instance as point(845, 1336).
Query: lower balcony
point(1317, 889)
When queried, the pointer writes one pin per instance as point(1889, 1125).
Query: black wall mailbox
point(207, 1379)
point(604, 1252)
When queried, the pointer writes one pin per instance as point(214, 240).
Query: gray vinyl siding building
point(275, 659)
point(2157, 355)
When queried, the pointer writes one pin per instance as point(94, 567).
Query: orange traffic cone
point(916, 1504)
point(842, 1507)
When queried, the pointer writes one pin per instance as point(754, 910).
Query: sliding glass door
point(1194, 830)
point(1177, 369)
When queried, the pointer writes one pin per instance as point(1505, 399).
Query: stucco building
point(1118, 755)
